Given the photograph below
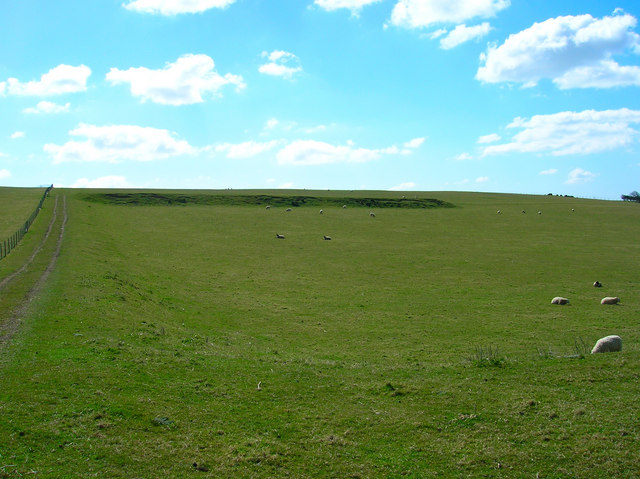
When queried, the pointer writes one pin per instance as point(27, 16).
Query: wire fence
point(12, 241)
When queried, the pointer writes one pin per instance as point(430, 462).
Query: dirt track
point(12, 323)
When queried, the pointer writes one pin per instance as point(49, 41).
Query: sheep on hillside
point(268, 207)
point(610, 300)
point(608, 344)
point(372, 214)
point(279, 236)
point(499, 211)
point(327, 238)
point(539, 212)
point(559, 300)
point(597, 284)
point(321, 211)
point(288, 209)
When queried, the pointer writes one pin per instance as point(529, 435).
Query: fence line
point(12, 241)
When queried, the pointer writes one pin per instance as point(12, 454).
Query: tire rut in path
point(13, 322)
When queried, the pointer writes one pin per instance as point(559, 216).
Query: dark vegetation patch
point(173, 199)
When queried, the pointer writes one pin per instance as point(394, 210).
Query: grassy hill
point(187, 341)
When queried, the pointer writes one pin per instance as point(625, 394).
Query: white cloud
point(580, 176)
point(423, 13)
point(492, 138)
point(281, 63)
point(247, 149)
point(573, 51)
point(113, 144)
point(354, 5)
point(312, 152)
point(569, 133)
point(180, 83)
point(5, 174)
point(551, 171)
point(16, 135)
point(463, 157)
point(409, 185)
point(482, 179)
point(175, 7)
point(606, 74)
point(462, 34)
point(415, 143)
point(45, 107)
point(57, 81)
point(103, 182)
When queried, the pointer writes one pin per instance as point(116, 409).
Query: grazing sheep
point(573, 210)
point(608, 344)
point(597, 284)
point(288, 209)
point(268, 207)
point(539, 212)
point(610, 300)
point(559, 300)
point(321, 211)
point(279, 236)
point(499, 211)
point(523, 211)
point(327, 238)
point(372, 214)
point(344, 206)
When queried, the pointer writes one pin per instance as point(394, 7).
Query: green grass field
point(187, 341)
point(17, 205)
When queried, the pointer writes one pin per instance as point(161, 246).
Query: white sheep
point(610, 300)
point(279, 236)
point(559, 300)
point(499, 211)
point(344, 206)
point(597, 284)
point(321, 211)
point(372, 214)
point(539, 212)
point(327, 238)
point(608, 344)
point(268, 207)
point(288, 209)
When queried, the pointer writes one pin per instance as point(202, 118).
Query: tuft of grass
point(486, 357)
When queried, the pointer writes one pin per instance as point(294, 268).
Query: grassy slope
point(17, 206)
point(145, 353)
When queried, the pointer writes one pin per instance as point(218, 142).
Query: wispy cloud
point(580, 176)
point(57, 81)
point(409, 185)
point(102, 182)
point(248, 149)
point(570, 133)
point(113, 144)
point(175, 7)
point(17, 135)
point(492, 138)
point(354, 5)
point(47, 107)
point(182, 82)
point(424, 13)
point(551, 171)
point(281, 64)
point(462, 34)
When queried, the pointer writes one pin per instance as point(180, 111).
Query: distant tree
point(633, 196)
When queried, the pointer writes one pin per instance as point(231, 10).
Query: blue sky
point(480, 95)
